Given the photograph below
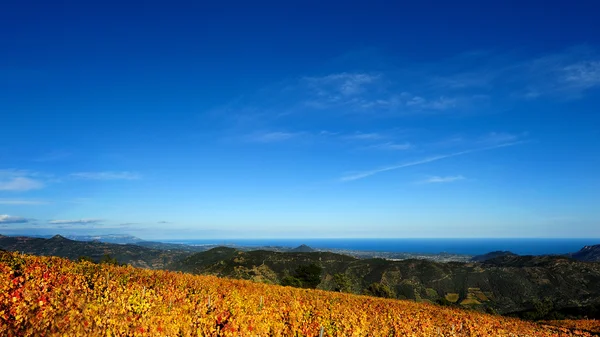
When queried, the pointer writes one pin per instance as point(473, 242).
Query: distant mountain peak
point(59, 237)
point(303, 249)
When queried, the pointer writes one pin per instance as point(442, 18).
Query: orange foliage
point(50, 296)
point(591, 325)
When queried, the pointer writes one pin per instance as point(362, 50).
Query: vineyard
point(49, 296)
point(590, 325)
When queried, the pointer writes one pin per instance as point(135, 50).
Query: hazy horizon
point(174, 239)
point(280, 121)
point(428, 246)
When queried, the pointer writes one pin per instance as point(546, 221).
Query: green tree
point(379, 290)
point(491, 311)
point(443, 301)
point(107, 259)
point(541, 309)
point(309, 275)
point(342, 283)
point(291, 282)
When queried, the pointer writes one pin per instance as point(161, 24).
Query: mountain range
point(508, 284)
point(58, 245)
point(110, 238)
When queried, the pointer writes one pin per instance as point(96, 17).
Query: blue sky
point(300, 119)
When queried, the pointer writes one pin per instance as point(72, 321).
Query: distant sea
point(426, 246)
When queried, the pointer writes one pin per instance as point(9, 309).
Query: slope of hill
point(588, 253)
point(257, 265)
point(124, 253)
point(588, 325)
point(491, 255)
point(536, 286)
point(55, 297)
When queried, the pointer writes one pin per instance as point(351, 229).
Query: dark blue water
point(432, 246)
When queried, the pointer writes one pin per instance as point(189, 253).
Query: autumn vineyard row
point(50, 296)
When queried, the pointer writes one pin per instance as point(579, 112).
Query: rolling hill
point(509, 284)
point(135, 255)
point(491, 255)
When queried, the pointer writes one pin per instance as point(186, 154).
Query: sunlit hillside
point(49, 296)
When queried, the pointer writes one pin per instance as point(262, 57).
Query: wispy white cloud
point(381, 95)
point(364, 136)
point(439, 179)
point(352, 92)
point(584, 74)
point(494, 82)
point(481, 79)
point(75, 222)
point(500, 137)
point(20, 184)
point(22, 202)
point(272, 136)
point(488, 139)
point(414, 102)
point(564, 74)
point(20, 180)
point(365, 174)
point(7, 219)
point(327, 133)
point(106, 175)
point(390, 146)
point(345, 84)
point(352, 138)
point(22, 173)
